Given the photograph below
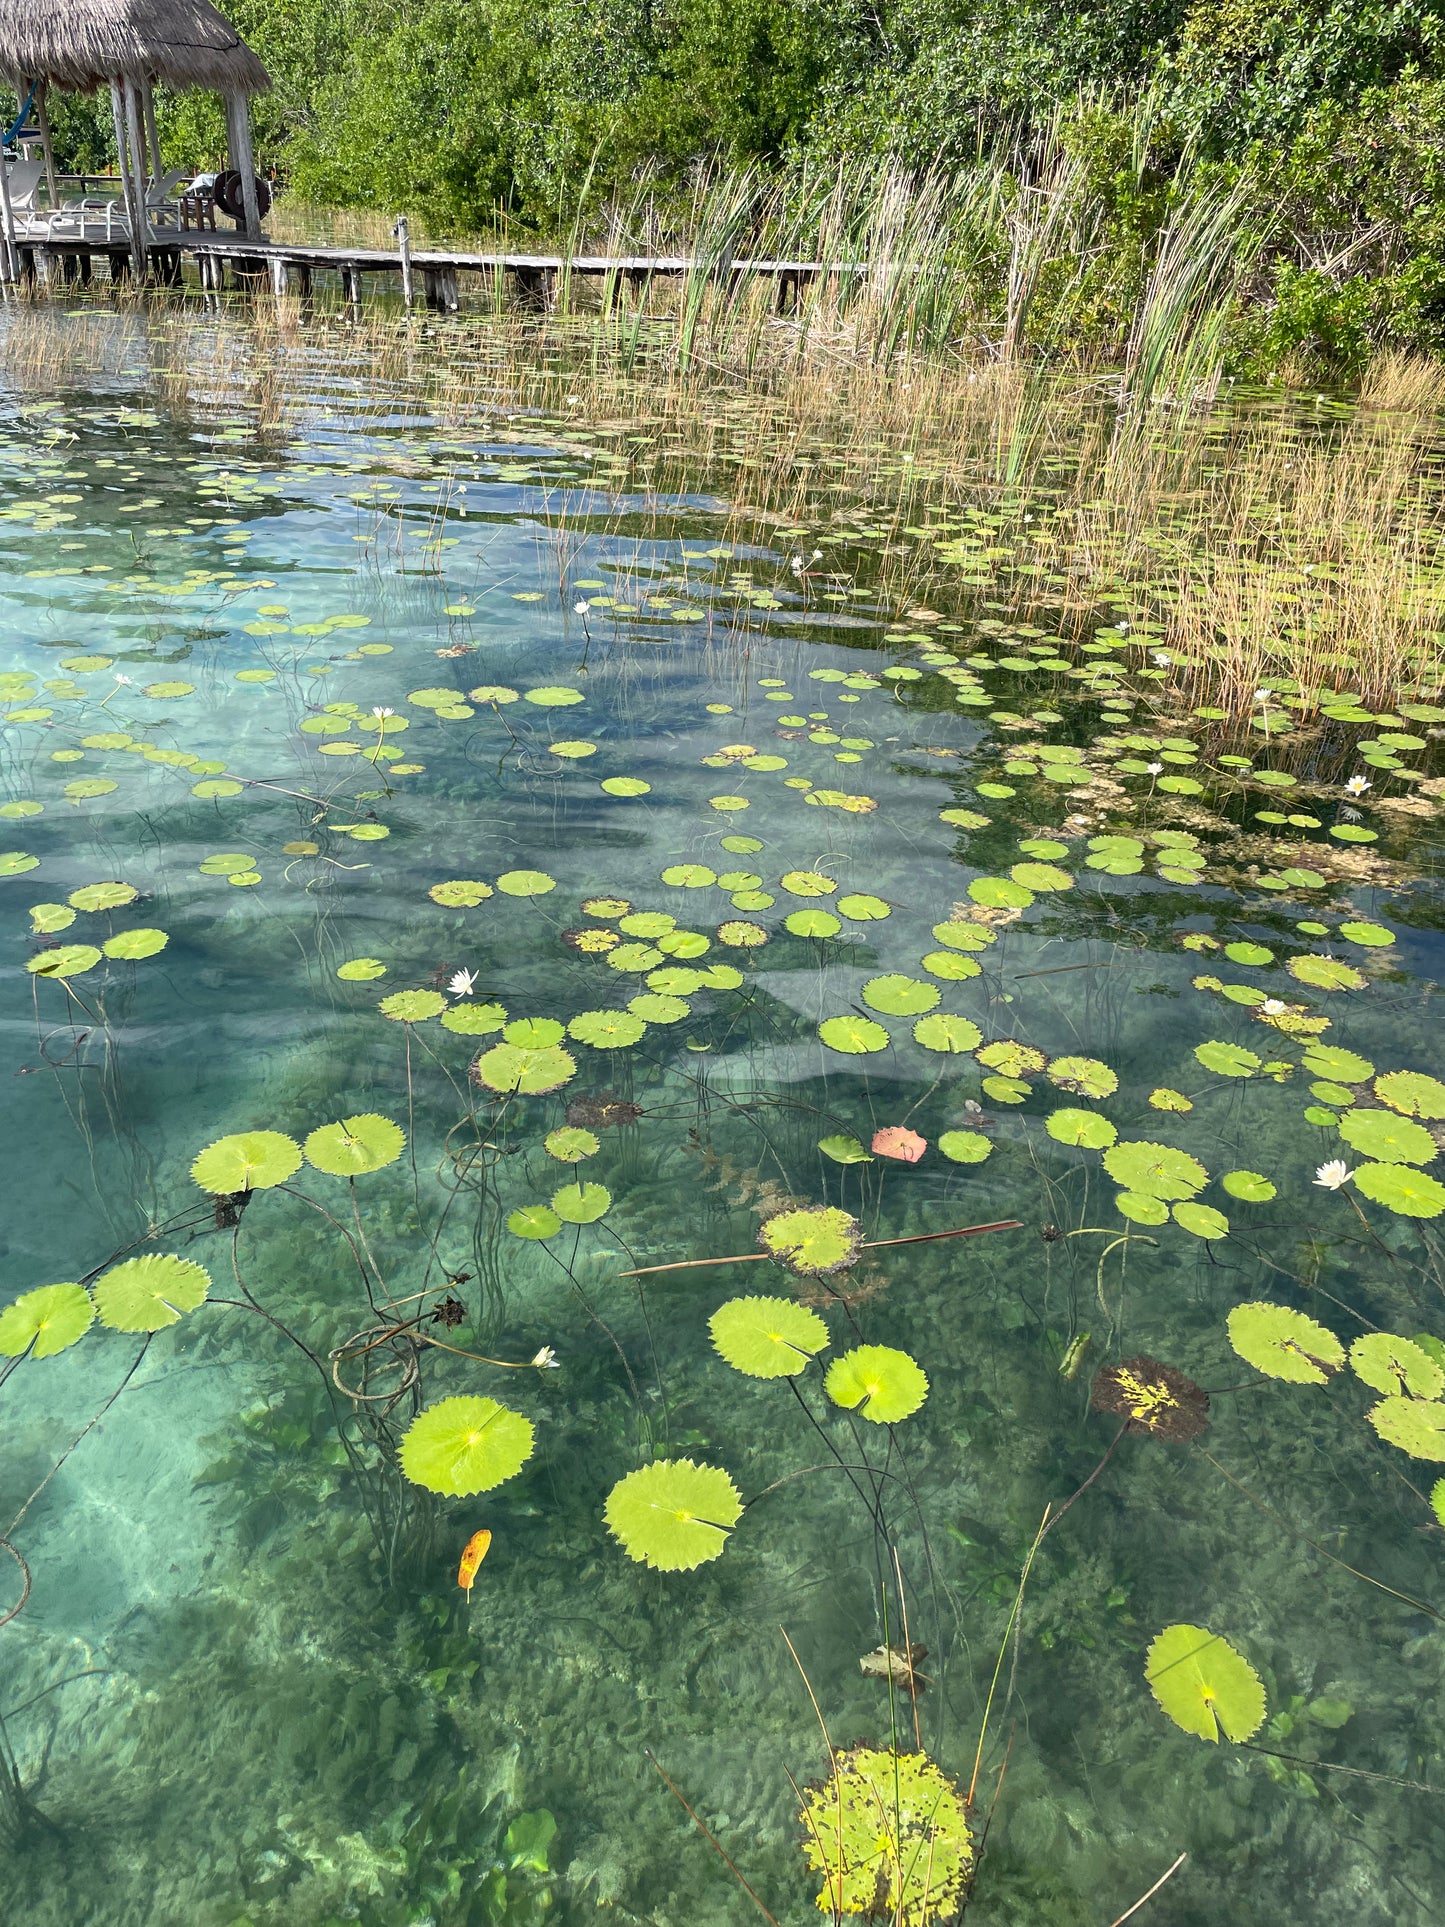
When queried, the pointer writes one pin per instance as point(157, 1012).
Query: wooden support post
point(243, 160)
point(303, 279)
point(9, 259)
point(351, 286)
point(451, 293)
point(153, 139)
point(280, 277)
point(120, 266)
point(402, 232)
point(120, 101)
point(82, 267)
point(431, 289)
point(42, 115)
point(44, 267)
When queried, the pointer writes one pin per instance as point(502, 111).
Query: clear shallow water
point(214, 1692)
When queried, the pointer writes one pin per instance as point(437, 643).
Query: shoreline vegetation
point(1241, 543)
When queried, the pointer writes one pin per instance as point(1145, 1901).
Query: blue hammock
point(22, 116)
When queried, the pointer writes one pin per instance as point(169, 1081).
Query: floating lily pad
point(1085, 1076)
point(813, 923)
point(965, 1147)
point(878, 1382)
point(854, 1036)
point(1284, 1343)
point(130, 946)
point(553, 697)
point(474, 1020)
point(1416, 1425)
point(860, 908)
point(813, 1241)
point(741, 935)
point(1411, 1193)
point(1086, 1128)
point(1201, 1219)
point(625, 786)
point(536, 1221)
point(900, 996)
point(356, 1145)
point(525, 883)
point(247, 1161)
point(1155, 1170)
point(570, 1144)
point(1325, 973)
point(944, 1032)
point(607, 1029)
point(1387, 1137)
point(146, 1294)
point(1388, 1363)
point(45, 1321)
point(581, 1203)
point(844, 1150)
point(461, 894)
point(767, 1337)
point(1000, 893)
point(1410, 1092)
point(412, 1006)
point(103, 896)
point(1010, 1058)
point(1252, 1186)
point(1228, 1060)
point(465, 1445)
point(65, 960)
point(674, 1514)
point(513, 1067)
point(1204, 1685)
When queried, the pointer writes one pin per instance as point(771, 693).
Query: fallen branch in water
point(873, 1244)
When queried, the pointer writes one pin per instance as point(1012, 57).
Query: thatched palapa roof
point(81, 44)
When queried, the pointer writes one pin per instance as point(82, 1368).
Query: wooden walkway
point(434, 274)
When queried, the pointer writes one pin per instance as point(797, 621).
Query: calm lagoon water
point(233, 1699)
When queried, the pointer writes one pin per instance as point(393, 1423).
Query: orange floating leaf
point(473, 1553)
point(896, 1142)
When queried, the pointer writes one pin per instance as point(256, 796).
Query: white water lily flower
point(1334, 1174)
point(122, 679)
point(580, 608)
point(796, 565)
point(1273, 1006)
point(1261, 695)
point(546, 1360)
point(382, 714)
point(463, 983)
point(1162, 657)
point(1357, 785)
point(1154, 768)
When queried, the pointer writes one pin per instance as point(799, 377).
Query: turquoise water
point(245, 1686)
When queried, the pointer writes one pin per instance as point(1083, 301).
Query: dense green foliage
point(467, 109)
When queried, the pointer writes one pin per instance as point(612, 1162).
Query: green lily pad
point(1416, 1425)
point(812, 1241)
point(960, 934)
point(878, 1382)
point(474, 1020)
point(625, 786)
point(1252, 1186)
point(581, 1203)
point(1326, 973)
point(1228, 1060)
point(361, 970)
point(900, 996)
point(808, 883)
point(464, 1445)
point(1155, 1170)
point(1388, 1363)
point(1085, 1076)
point(1326, 1060)
point(247, 1161)
point(767, 1337)
point(1085, 1128)
point(553, 697)
point(513, 1067)
point(964, 1147)
point(130, 946)
point(1204, 1685)
point(852, 1035)
point(1387, 1137)
point(412, 1006)
point(1010, 1058)
point(813, 923)
point(460, 894)
point(525, 883)
point(945, 1032)
point(47, 1320)
point(950, 965)
point(607, 1029)
point(1000, 893)
point(46, 919)
point(65, 960)
point(534, 1221)
point(674, 1514)
point(103, 896)
point(858, 907)
point(1374, 936)
point(1400, 1188)
point(570, 1144)
point(147, 1294)
point(1283, 1343)
point(844, 1150)
point(355, 1146)
point(1201, 1219)
point(1410, 1092)
point(1254, 954)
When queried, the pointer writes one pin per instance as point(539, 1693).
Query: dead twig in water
point(872, 1244)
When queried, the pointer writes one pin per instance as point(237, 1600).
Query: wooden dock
point(530, 280)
